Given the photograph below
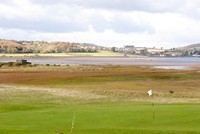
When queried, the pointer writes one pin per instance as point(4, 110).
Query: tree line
point(12, 46)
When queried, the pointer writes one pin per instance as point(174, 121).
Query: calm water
point(160, 62)
point(174, 67)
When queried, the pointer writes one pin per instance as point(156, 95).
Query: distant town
point(14, 46)
point(188, 51)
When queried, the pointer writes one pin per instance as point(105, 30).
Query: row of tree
point(11, 46)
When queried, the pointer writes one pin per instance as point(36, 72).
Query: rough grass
point(124, 82)
point(106, 99)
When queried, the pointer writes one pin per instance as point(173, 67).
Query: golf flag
point(150, 92)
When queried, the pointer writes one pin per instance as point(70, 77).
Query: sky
point(141, 23)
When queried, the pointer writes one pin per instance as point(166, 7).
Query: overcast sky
point(142, 23)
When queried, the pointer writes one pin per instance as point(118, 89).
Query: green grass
point(100, 118)
point(97, 54)
point(40, 112)
point(40, 106)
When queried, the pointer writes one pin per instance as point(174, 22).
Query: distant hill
point(190, 47)
point(13, 46)
point(190, 50)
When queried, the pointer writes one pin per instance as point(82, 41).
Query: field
point(99, 99)
point(98, 54)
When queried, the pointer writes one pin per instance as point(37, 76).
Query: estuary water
point(164, 62)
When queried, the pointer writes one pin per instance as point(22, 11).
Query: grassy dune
point(105, 99)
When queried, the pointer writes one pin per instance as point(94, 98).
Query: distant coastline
point(44, 48)
point(142, 61)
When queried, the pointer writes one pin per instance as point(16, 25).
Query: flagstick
point(150, 92)
point(152, 103)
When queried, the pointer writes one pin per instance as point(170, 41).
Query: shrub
point(2, 64)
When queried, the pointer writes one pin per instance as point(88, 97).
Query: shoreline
point(178, 62)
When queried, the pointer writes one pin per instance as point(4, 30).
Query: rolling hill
point(13, 46)
point(190, 47)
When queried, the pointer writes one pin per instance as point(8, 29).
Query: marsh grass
point(112, 99)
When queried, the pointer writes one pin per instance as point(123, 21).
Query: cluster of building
point(148, 51)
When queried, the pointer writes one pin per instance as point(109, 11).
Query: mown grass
point(101, 118)
point(38, 105)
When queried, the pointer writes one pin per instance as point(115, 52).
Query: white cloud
point(122, 5)
point(106, 22)
point(21, 9)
